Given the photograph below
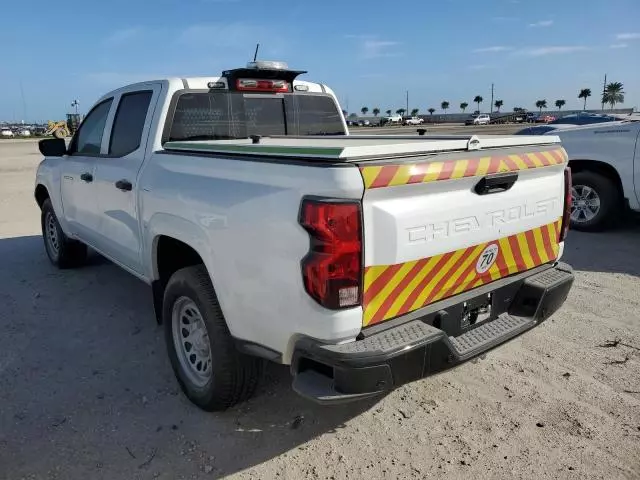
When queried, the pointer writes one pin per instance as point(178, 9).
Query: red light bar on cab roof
point(258, 85)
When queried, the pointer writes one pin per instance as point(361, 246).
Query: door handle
point(86, 177)
point(500, 182)
point(124, 185)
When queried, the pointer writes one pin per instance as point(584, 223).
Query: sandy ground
point(86, 390)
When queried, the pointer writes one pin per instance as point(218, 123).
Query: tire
point(62, 251)
point(589, 188)
point(190, 303)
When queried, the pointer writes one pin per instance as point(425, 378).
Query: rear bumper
point(415, 349)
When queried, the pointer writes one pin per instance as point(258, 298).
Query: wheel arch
point(597, 166)
point(41, 194)
point(170, 253)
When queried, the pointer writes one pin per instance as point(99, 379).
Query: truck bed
point(356, 148)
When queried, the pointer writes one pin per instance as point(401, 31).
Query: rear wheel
point(212, 373)
point(62, 251)
point(595, 201)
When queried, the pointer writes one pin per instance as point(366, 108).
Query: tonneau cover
point(348, 148)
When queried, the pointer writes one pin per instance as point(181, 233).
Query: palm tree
point(560, 104)
point(376, 112)
point(364, 110)
point(463, 106)
point(388, 112)
point(444, 105)
point(517, 109)
point(613, 94)
point(414, 112)
point(541, 104)
point(498, 104)
point(431, 110)
point(585, 93)
point(400, 111)
point(478, 99)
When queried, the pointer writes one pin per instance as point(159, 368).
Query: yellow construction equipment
point(62, 129)
point(57, 129)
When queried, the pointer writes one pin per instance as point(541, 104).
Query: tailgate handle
point(500, 182)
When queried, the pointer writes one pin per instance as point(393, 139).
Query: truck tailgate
point(442, 225)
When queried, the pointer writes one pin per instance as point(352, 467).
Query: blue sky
point(370, 52)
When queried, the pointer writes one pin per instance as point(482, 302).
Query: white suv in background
point(413, 121)
point(7, 133)
point(481, 119)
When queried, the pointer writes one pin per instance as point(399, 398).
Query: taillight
point(332, 270)
point(566, 216)
point(255, 85)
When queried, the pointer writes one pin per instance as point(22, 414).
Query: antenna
point(255, 55)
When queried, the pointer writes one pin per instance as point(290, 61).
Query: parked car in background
point(24, 132)
point(413, 121)
point(481, 119)
point(391, 120)
point(583, 118)
point(605, 163)
point(7, 133)
point(524, 117)
point(542, 129)
point(545, 118)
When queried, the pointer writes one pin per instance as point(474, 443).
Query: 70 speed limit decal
point(487, 258)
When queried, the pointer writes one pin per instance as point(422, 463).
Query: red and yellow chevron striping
point(403, 174)
point(392, 290)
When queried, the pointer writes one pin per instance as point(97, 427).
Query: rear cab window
point(126, 134)
point(208, 115)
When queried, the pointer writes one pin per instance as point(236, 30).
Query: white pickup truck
point(605, 161)
point(266, 232)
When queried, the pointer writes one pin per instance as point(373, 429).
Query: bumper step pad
point(494, 332)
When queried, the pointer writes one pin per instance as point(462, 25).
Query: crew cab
point(605, 161)
point(267, 232)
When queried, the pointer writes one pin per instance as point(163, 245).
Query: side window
point(89, 136)
point(126, 133)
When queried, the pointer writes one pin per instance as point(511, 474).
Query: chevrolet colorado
point(267, 232)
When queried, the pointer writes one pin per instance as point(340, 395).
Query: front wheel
point(212, 373)
point(595, 202)
point(62, 251)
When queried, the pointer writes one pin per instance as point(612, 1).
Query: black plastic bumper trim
point(415, 349)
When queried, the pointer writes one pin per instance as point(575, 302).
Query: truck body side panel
point(243, 219)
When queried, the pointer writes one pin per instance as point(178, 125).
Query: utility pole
point(604, 89)
point(491, 98)
point(75, 104)
point(24, 103)
point(407, 111)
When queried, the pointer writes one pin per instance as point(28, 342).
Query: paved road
point(86, 391)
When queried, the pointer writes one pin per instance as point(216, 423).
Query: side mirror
point(53, 147)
